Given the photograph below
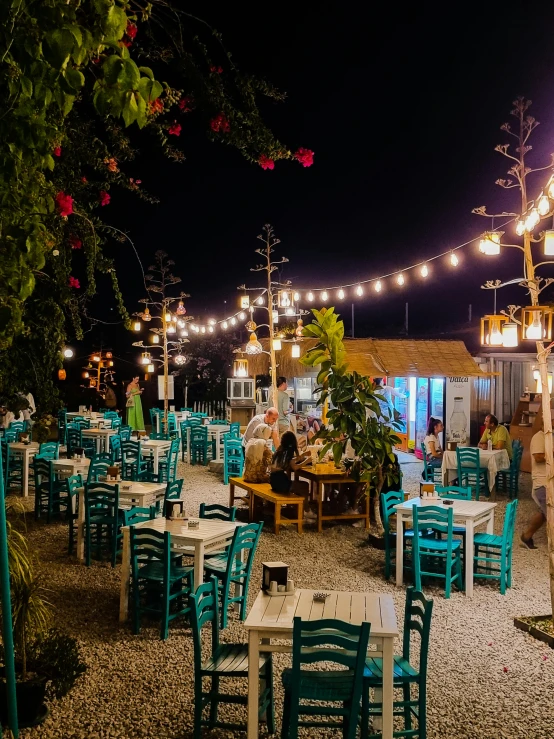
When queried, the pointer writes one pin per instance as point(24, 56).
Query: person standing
point(283, 405)
point(135, 418)
point(538, 475)
point(270, 418)
point(498, 435)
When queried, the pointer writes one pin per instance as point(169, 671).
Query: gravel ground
point(486, 678)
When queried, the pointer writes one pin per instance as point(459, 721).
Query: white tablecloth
point(495, 461)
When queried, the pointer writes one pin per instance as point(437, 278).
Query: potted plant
point(358, 415)
point(43, 427)
point(47, 661)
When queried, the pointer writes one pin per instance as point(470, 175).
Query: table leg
point(253, 682)
point(25, 462)
point(231, 494)
point(156, 460)
point(125, 576)
point(388, 694)
point(81, 526)
point(319, 494)
point(399, 548)
point(188, 445)
point(468, 555)
point(198, 564)
point(490, 523)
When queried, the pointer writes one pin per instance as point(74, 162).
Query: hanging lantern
point(299, 327)
point(510, 336)
point(276, 344)
point(62, 374)
point(244, 302)
point(108, 355)
point(490, 243)
point(180, 360)
point(536, 323)
point(145, 358)
point(537, 378)
point(171, 329)
point(275, 316)
point(253, 346)
point(250, 326)
point(110, 363)
point(549, 243)
point(137, 325)
point(284, 298)
point(155, 339)
point(543, 205)
point(181, 310)
point(491, 330)
point(295, 351)
point(96, 358)
point(146, 315)
point(240, 368)
point(150, 368)
point(86, 375)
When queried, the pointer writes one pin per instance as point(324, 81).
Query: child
point(286, 459)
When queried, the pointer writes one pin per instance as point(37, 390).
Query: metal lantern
point(86, 375)
point(536, 323)
point(510, 337)
point(145, 358)
point(146, 315)
point(491, 330)
point(180, 360)
point(250, 326)
point(137, 326)
point(285, 298)
point(244, 302)
point(150, 368)
point(537, 378)
point(295, 351)
point(253, 346)
point(549, 243)
point(62, 374)
point(276, 343)
point(490, 243)
point(240, 368)
point(108, 355)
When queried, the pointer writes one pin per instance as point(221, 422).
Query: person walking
point(283, 405)
point(135, 418)
point(538, 475)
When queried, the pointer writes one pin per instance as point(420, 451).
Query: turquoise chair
point(325, 642)
point(470, 474)
point(18, 426)
point(388, 502)
point(62, 423)
point(233, 569)
point(49, 450)
point(82, 423)
point(159, 585)
point(102, 522)
point(218, 422)
point(136, 514)
point(154, 413)
point(432, 518)
point(111, 416)
point(158, 436)
point(167, 466)
point(9, 437)
point(99, 466)
point(493, 554)
point(201, 448)
point(198, 415)
point(217, 512)
point(225, 660)
point(12, 465)
point(186, 410)
point(50, 494)
point(417, 627)
point(125, 432)
point(173, 492)
point(430, 473)
point(72, 485)
point(233, 459)
point(234, 429)
point(189, 423)
point(508, 480)
point(114, 423)
point(452, 492)
point(133, 465)
point(73, 439)
point(115, 448)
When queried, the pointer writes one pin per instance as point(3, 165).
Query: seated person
point(499, 435)
point(257, 455)
point(432, 443)
point(314, 425)
point(286, 459)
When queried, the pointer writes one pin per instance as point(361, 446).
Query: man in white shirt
point(270, 418)
point(283, 405)
point(538, 474)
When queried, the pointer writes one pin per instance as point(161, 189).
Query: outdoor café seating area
point(186, 599)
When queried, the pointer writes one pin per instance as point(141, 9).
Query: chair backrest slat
point(452, 492)
point(217, 512)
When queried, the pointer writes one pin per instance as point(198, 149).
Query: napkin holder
point(24, 437)
point(173, 506)
point(451, 446)
point(274, 571)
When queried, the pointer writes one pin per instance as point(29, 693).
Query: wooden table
point(155, 448)
point(71, 466)
point(467, 513)
point(210, 536)
point(27, 452)
point(142, 494)
point(215, 431)
point(494, 461)
point(101, 436)
point(272, 617)
point(317, 482)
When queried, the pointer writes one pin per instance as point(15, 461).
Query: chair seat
point(154, 571)
point(334, 685)
point(216, 564)
point(438, 545)
point(231, 659)
point(487, 540)
point(403, 672)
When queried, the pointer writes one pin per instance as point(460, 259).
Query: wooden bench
point(263, 491)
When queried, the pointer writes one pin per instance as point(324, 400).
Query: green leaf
point(112, 68)
point(147, 72)
point(130, 110)
point(129, 75)
point(74, 78)
point(115, 23)
point(26, 86)
point(58, 47)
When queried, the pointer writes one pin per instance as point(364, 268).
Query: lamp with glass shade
point(536, 323)
point(491, 330)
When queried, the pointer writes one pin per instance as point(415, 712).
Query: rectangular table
point(271, 617)
point(101, 437)
point(155, 448)
point(495, 461)
point(467, 513)
point(71, 467)
point(141, 494)
point(317, 481)
point(26, 452)
point(211, 536)
point(215, 431)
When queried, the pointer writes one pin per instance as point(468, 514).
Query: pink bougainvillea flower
point(131, 30)
point(216, 69)
point(74, 282)
point(57, 151)
point(174, 129)
point(111, 164)
point(65, 204)
point(75, 242)
point(84, 180)
point(125, 42)
point(220, 123)
point(265, 162)
point(186, 103)
point(138, 182)
point(104, 198)
point(305, 157)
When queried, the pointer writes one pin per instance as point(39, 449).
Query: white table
point(210, 536)
point(141, 494)
point(179, 416)
point(215, 431)
point(69, 467)
point(495, 461)
point(27, 452)
point(467, 513)
point(102, 437)
point(272, 617)
point(155, 448)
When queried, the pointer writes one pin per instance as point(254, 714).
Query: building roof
point(393, 357)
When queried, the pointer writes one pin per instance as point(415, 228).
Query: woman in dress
point(135, 418)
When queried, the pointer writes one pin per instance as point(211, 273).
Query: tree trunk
point(376, 507)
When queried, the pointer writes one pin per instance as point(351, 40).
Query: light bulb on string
point(210, 329)
point(341, 294)
point(212, 322)
point(242, 316)
point(310, 297)
point(224, 325)
point(180, 323)
point(289, 311)
point(551, 189)
point(233, 321)
point(324, 296)
point(400, 279)
point(543, 205)
point(296, 297)
point(260, 300)
point(454, 261)
point(168, 317)
point(203, 329)
point(520, 228)
point(174, 319)
point(378, 286)
point(359, 291)
point(424, 270)
point(184, 333)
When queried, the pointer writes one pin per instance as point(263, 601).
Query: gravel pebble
point(139, 686)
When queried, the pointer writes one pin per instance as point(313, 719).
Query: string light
point(454, 261)
point(359, 291)
point(543, 206)
point(242, 316)
point(184, 334)
point(233, 321)
point(224, 324)
point(378, 286)
point(520, 228)
point(171, 329)
point(400, 279)
point(324, 296)
point(341, 294)
point(211, 329)
point(424, 270)
point(296, 297)
point(310, 297)
point(203, 329)
point(181, 323)
point(260, 300)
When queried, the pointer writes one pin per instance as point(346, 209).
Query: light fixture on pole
point(295, 350)
point(537, 378)
point(549, 243)
point(536, 323)
point(137, 325)
point(510, 336)
point(150, 368)
point(240, 368)
point(491, 330)
point(276, 344)
point(253, 346)
point(489, 243)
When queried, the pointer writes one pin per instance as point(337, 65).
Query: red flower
point(84, 179)
point(57, 151)
point(305, 157)
point(265, 162)
point(175, 129)
point(123, 42)
point(65, 204)
point(156, 106)
point(138, 182)
point(75, 242)
point(186, 103)
point(74, 282)
point(131, 30)
point(220, 123)
point(104, 198)
point(218, 70)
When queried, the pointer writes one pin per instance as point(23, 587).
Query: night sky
point(403, 110)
